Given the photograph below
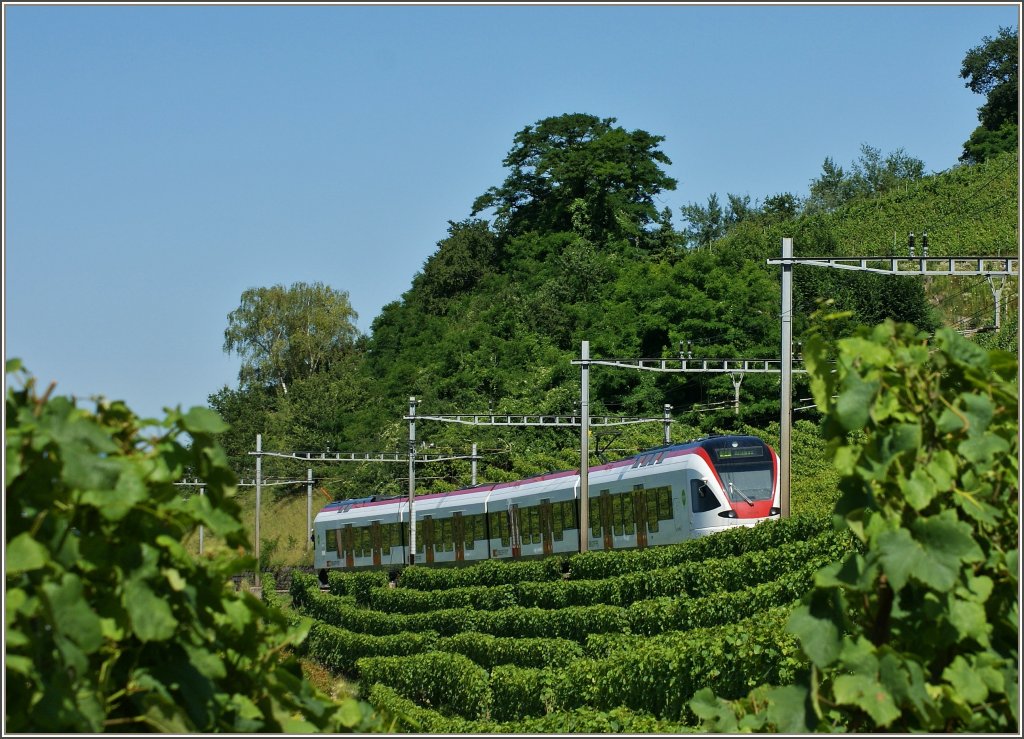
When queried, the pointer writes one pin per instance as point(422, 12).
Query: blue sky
point(160, 160)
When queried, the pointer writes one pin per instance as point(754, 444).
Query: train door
point(428, 539)
point(606, 518)
point(547, 534)
point(375, 545)
point(346, 541)
point(339, 542)
point(640, 515)
point(513, 525)
point(459, 534)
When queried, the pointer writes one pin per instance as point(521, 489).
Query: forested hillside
point(575, 250)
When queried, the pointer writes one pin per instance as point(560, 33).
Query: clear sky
point(160, 160)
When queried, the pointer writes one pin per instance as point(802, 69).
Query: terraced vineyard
point(596, 642)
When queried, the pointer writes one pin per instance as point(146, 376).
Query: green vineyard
point(593, 642)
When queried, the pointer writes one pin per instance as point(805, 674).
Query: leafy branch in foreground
point(111, 625)
point(918, 631)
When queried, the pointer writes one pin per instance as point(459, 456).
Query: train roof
point(669, 450)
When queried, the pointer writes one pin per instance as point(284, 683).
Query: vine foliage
point(110, 624)
point(917, 630)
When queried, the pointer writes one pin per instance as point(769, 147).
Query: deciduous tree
point(573, 157)
point(283, 334)
point(991, 70)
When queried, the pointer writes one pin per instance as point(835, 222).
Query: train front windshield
point(746, 471)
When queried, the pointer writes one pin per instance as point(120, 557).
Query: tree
point(991, 70)
point(832, 189)
point(783, 206)
point(738, 209)
point(111, 624)
point(870, 175)
point(706, 224)
point(573, 157)
point(466, 256)
point(283, 334)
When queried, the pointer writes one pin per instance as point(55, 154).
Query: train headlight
point(728, 514)
point(774, 511)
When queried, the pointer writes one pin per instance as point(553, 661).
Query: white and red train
point(661, 496)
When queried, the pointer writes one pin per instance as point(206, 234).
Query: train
point(660, 496)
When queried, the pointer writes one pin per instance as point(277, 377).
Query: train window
point(628, 519)
point(443, 535)
point(597, 506)
point(427, 536)
point(653, 500)
point(665, 504)
point(532, 532)
point(702, 498)
point(387, 536)
point(569, 513)
point(616, 515)
point(557, 521)
point(499, 527)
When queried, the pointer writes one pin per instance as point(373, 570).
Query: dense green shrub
point(446, 681)
point(681, 614)
point(340, 582)
point(408, 600)
point(690, 578)
point(730, 543)
point(661, 675)
point(518, 692)
point(487, 650)
point(339, 649)
point(577, 623)
point(301, 586)
point(490, 572)
point(414, 718)
point(364, 584)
